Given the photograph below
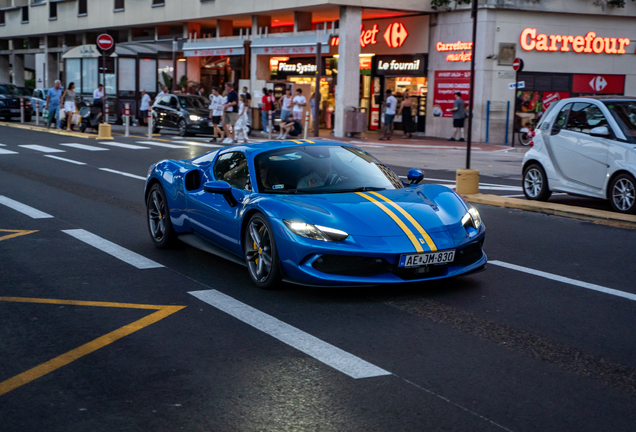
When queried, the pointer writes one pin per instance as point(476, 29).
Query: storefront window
point(148, 75)
point(89, 75)
point(111, 80)
point(416, 86)
point(165, 67)
point(127, 74)
point(73, 72)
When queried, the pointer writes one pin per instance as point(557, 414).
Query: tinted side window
point(585, 117)
point(561, 119)
point(232, 168)
point(164, 101)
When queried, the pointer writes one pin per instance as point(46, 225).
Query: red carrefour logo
point(598, 83)
point(395, 35)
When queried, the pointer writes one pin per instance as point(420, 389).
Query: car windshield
point(624, 112)
point(322, 169)
point(9, 89)
point(26, 91)
point(193, 102)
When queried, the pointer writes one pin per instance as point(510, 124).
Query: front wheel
point(155, 126)
point(623, 194)
point(261, 255)
point(183, 128)
point(535, 183)
point(158, 215)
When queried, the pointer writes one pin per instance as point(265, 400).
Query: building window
point(2, 18)
point(38, 2)
point(52, 11)
point(119, 5)
point(82, 8)
point(158, 3)
point(25, 14)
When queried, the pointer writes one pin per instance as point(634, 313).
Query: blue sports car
point(315, 213)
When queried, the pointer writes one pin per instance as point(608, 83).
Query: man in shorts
point(389, 115)
point(216, 113)
point(231, 113)
point(459, 116)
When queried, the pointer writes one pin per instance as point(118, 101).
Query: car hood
point(198, 111)
point(435, 208)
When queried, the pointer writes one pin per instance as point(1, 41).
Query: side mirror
point(555, 129)
point(222, 188)
point(415, 175)
point(600, 131)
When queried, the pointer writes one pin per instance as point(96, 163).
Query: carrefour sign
point(590, 43)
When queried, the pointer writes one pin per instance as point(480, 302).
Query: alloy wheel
point(623, 194)
point(533, 182)
point(157, 216)
point(259, 256)
point(182, 128)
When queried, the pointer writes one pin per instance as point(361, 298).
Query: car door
point(581, 157)
point(174, 111)
point(160, 110)
point(211, 215)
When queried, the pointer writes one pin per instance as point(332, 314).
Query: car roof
point(255, 148)
point(602, 98)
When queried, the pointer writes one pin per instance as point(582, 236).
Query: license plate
point(416, 260)
point(15, 110)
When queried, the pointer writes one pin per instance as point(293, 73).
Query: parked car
point(10, 102)
point(39, 95)
point(188, 114)
point(585, 146)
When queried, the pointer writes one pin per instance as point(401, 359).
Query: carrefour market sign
point(590, 43)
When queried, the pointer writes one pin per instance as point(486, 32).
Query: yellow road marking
point(94, 345)
point(427, 238)
point(16, 233)
point(396, 219)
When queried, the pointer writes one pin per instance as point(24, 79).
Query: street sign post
point(517, 65)
point(105, 45)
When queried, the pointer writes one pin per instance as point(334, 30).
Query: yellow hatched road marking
point(16, 233)
point(396, 219)
point(94, 345)
point(427, 238)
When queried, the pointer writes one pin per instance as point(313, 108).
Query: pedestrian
point(231, 113)
point(298, 103)
point(69, 105)
point(389, 115)
point(265, 109)
point(98, 94)
point(459, 115)
point(144, 107)
point(164, 91)
point(216, 113)
point(407, 115)
point(240, 127)
point(53, 99)
point(312, 102)
point(292, 128)
point(248, 99)
point(285, 106)
point(201, 91)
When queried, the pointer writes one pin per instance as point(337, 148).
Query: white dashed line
point(23, 208)
point(4, 151)
point(565, 280)
point(42, 149)
point(123, 145)
point(156, 144)
point(198, 144)
point(123, 173)
point(130, 257)
point(326, 353)
point(84, 147)
point(65, 160)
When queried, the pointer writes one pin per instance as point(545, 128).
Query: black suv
point(188, 114)
point(10, 103)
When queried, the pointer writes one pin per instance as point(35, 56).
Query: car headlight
point(315, 232)
point(195, 117)
point(472, 218)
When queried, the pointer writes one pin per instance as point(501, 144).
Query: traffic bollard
point(37, 113)
point(21, 110)
point(270, 125)
point(306, 124)
point(127, 116)
point(106, 112)
point(149, 124)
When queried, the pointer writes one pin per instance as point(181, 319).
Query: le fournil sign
point(400, 65)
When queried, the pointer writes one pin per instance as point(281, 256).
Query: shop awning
point(208, 49)
point(289, 45)
point(84, 51)
point(125, 49)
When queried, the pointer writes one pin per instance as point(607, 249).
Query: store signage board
point(214, 52)
point(588, 44)
point(305, 49)
point(400, 65)
point(447, 83)
point(465, 48)
point(105, 42)
point(600, 84)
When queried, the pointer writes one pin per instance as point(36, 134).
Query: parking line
point(65, 160)
point(127, 256)
point(593, 287)
point(42, 149)
point(23, 208)
point(326, 353)
point(156, 144)
point(123, 173)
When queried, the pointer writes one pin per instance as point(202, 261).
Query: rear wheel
point(158, 215)
point(261, 255)
point(183, 128)
point(623, 194)
point(535, 183)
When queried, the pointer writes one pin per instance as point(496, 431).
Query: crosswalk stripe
point(156, 144)
point(3, 151)
point(42, 149)
point(84, 147)
point(23, 208)
point(122, 145)
point(65, 160)
point(122, 173)
point(198, 144)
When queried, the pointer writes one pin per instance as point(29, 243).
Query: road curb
point(573, 212)
point(53, 131)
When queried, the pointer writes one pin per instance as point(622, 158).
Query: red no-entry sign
point(105, 42)
point(517, 65)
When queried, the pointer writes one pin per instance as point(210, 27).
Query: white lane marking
point(65, 160)
point(198, 144)
point(3, 145)
point(123, 173)
point(4, 151)
point(42, 149)
point(123, 145)
point(328, 354)
point(130, 257)
point(84, 147)
point(156, 144)
point(23, 208)
point(566, 280)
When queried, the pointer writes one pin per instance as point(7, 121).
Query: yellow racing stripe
point(309, 141)
point(296, 141)
point(396, 219)
point(427, 238)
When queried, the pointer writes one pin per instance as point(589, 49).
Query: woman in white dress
point(69, 104)
point(242, 121)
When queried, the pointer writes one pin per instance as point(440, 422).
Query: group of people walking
point(61, 103)
point(391, 110)
point(291, 111)
point(230, 114)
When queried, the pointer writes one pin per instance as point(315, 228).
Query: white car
point(585, 146)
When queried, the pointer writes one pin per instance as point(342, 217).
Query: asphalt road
point(162, 340)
